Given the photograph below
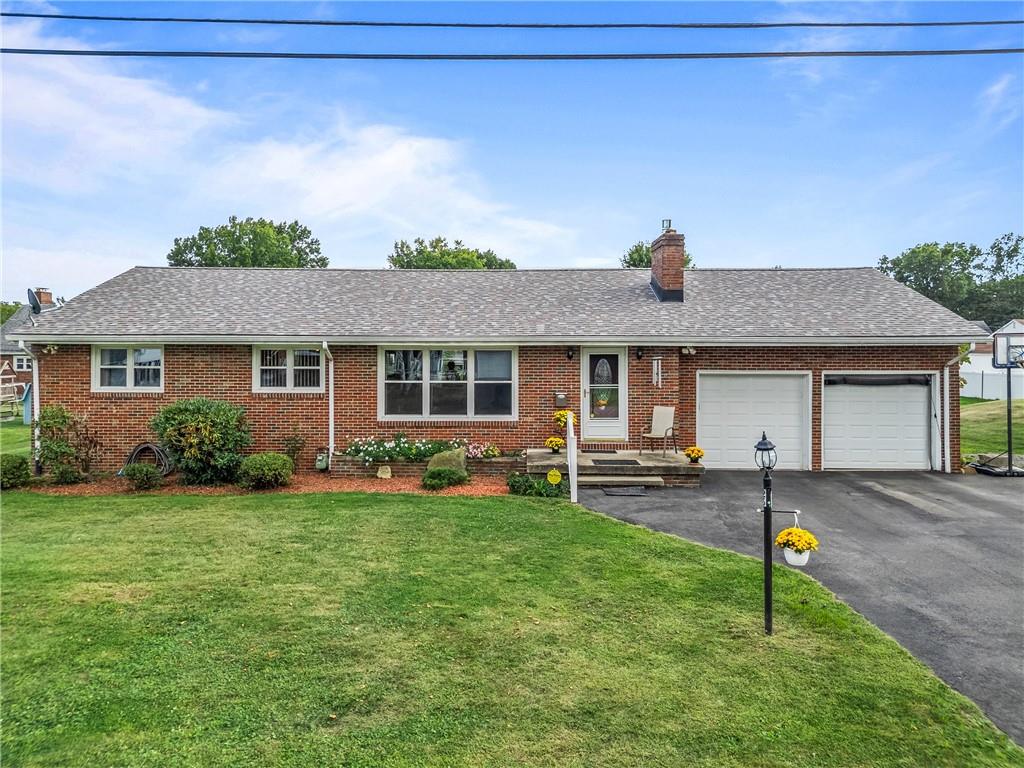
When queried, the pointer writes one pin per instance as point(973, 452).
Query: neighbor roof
point(19, 318)
point(366, 306)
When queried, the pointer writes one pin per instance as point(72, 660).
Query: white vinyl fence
point(991, 385)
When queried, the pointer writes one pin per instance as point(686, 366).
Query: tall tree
point(977, 284)
point(639, 256)
point(438, 254)
point(248, 243)
point(7, 308)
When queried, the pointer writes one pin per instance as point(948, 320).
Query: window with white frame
point(23, 363)
point(447, 383)
point(128, 368)
point(287, 369)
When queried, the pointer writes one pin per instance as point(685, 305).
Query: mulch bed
point(305, 482)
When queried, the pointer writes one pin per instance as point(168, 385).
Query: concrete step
point(654, 481)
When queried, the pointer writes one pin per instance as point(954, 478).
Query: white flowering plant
point(372, 449)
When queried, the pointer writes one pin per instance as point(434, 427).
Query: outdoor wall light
point(569, 352)
point(639, 353)
point(764, 453)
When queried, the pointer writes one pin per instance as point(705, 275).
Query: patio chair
point(662, 427)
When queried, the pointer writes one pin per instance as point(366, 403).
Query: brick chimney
point(667, 258)
point(44, 295)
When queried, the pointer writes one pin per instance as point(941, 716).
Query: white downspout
point(35, 400)
point(947, 458)
point(330, 404)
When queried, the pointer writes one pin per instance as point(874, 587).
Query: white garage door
point(876, 422)
point(733, 410)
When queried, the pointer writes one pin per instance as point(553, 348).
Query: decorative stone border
point(350, 466)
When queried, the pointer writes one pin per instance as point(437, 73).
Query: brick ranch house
point(844, 368)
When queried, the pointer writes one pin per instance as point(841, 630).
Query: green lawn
point(15, 437)
point(983, 426)
point(362, 630)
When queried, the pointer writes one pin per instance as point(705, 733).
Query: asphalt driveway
point(937, 561)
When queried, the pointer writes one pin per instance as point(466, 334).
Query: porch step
point(651, 481)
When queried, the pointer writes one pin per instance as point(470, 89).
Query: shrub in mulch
point(143, 477)
point(263, 471)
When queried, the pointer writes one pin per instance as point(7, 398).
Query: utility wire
point(524, 25)
point(506, 56)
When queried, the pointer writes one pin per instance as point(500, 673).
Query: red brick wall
point(221, 372)
point(542, 372)
point(225, 372)
point(816, 360)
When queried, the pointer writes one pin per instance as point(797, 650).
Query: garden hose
point(163, 461)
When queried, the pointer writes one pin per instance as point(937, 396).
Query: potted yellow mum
point(694, 454)
point(555, 443)
point(797, 545)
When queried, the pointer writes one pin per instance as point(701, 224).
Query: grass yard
point(983, 426)
point(376, 630)
point(15, 437)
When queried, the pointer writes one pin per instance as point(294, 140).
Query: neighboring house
point(982, 379)
point(843, 368)
point(10, 352)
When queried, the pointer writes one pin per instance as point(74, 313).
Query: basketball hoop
point(1007, 350)
point(1007, 353)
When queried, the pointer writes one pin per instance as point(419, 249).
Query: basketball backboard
point(1007, 350)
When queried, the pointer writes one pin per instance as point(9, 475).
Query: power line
point(506, 56)
point(525, 25)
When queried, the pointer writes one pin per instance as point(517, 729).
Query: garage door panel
point(734, 409)
point(876, 427)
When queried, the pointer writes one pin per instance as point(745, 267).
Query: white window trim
point(22, 363)
point(426, 416)
point(290, 368)
point(130, 375)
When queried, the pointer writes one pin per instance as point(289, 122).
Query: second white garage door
point(733, 409)
point(876, 422)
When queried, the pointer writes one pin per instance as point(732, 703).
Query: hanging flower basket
point(797, 545)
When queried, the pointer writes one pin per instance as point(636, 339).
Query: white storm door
point(604, 393)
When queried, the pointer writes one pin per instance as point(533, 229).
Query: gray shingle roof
point(19, 318)
point(432, 305)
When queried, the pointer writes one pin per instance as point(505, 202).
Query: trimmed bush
point(14, 471)
point(204, 439)
point(265, 470)
point(65, 440)
point(524, 485)
point(143, 477)
point(442, 477)
point(66, 474)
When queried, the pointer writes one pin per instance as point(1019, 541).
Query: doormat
point(597, 450)
point(616, 462)
point(626, 490)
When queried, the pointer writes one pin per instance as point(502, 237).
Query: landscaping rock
point(453, 459)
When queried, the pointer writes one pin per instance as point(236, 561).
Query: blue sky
point(759, 163)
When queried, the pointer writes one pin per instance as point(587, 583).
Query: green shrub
point(143, 477)
point(14, 471)
point(265, 470)
point(442, 477)
point(65, 440)
point(66, 474)
point(204, 439)
point(524, 485)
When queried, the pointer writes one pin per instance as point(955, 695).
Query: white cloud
point(89, 135)
point(1000, 103)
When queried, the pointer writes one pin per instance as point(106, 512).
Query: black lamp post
point(765, 458)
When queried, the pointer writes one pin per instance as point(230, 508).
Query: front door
point(604, 393)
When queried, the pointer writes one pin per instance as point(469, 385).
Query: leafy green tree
point(248, 243)
point(639, 257)
point(7, 308)
point(438, 254)
point(977, 284)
